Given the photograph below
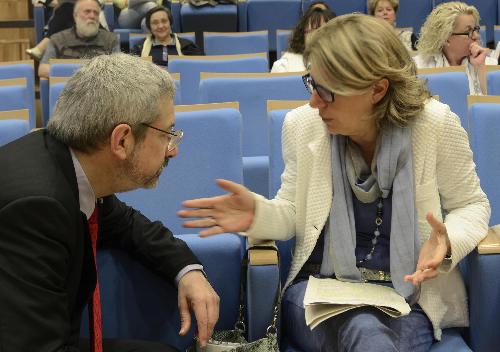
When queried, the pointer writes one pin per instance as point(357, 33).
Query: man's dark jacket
point(46, 262)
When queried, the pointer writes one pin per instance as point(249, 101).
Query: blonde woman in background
point(387, 10)
point(370, 163)
point(450, 37)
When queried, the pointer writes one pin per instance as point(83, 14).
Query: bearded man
point(112, 130)
point(83, 41)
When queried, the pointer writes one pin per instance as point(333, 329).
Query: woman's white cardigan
point(445, 179)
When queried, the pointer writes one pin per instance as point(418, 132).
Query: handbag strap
point(240, 325)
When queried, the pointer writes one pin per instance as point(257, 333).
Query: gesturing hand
point(432, 253)
point(232, 212)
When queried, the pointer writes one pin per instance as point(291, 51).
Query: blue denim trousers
point(361, 329)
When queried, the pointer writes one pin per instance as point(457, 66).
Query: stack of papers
point(325, 298)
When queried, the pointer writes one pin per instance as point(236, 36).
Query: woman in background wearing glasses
point(450, 37)
point(370, 163)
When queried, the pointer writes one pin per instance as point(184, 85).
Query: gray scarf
point(394, 169)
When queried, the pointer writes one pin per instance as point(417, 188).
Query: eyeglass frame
point(311, 85)
point(470, 32)
point(174, 141)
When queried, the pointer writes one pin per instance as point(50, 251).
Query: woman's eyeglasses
point(470, 32)
point(323, 93)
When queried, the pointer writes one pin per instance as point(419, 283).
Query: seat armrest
point(484, 288)
point(262, 283)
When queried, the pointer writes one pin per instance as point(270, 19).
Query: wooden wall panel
point(13, 10)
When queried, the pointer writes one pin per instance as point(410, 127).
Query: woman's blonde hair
point(355, 51)
point(439, 26)
point(372, 5)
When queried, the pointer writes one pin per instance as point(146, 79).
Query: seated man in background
point(57, 204)
point(83, 41)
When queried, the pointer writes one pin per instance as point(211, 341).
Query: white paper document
point(325, 298)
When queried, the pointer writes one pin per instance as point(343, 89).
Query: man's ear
point(380, 90)
point(122, 141)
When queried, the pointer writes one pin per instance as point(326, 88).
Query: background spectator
point(450, 37)
point(162, 42)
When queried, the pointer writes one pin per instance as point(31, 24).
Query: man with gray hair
point(82, 41)
point(112, 131)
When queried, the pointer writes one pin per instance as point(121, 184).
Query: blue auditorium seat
point(221, 43)
point(221, 18)
point(413, 13)
point(15, 95)
point(22, 69)
point(13, 125)
point(451, 85)
point(190, 67)
point(252, 91)
point(282, 38)
point(341, 7)
point(484, 127)
point(210, 149)
point(271, 15)
point(493, 82)
point(496, 34)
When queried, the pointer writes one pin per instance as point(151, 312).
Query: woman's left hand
point(477, 55)
point(432, 253)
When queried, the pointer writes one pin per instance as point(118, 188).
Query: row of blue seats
point(135, 300)
point(250, 90)
point(256, 15)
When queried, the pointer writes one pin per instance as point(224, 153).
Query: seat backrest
point(190, 67)
point(224, 43)
point(484, 127)
point(252, 91)
point(55, 88)
point(277, 110)
point(65, 67)
point(22, 69)
point(272, 15)
point(13, 125)
point(210, 149)
point(124, 34)
point(15, 95)
point(451, 85)
point(493, 80)
point(341, 7)
point(413, 13)
point(282, 38)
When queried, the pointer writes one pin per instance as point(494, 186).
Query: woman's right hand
point(231, 212)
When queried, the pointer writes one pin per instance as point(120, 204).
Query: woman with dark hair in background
point(162, 41)
point(291, 60)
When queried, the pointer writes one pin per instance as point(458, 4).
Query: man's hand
point(196, 294)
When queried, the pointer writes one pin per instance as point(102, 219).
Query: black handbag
point(234, 340)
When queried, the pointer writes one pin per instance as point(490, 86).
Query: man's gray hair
point(107, 91)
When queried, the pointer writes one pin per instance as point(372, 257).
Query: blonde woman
point(387, 10)
point(369, 165)
point(450, 37)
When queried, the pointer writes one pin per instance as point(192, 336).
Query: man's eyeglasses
point(323, 93)
point(470, 32)
point(174, 136)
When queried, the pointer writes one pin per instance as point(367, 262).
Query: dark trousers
point(115, 345)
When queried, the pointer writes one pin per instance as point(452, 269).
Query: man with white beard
point(83, 41)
